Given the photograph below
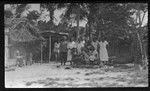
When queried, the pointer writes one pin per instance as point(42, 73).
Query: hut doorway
point(48, 52)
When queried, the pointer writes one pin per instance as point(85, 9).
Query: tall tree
point(51, 7)
point(75, 12)
point(92, 8)
point(115, 17)
point(108, 17)
point(140, 10)
point(21, 30)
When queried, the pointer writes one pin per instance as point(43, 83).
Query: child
point(20, 62)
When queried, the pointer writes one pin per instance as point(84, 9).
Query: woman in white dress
point(103, 54)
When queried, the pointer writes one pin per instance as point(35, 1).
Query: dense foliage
point(113, 21)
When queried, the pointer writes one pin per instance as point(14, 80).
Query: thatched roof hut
point(21, 30)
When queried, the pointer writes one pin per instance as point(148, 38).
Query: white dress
point(103, 51)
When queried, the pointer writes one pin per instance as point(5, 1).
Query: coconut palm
point(21, 29)
point(74, 12)
point(51, 7)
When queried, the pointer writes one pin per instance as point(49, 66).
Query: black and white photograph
point(76, 45)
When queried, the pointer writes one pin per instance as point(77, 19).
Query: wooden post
point(6, 49)
point(41, 53)
point(31, 56)
point(49, 48)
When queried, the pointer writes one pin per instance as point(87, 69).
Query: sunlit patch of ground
point(52, 75)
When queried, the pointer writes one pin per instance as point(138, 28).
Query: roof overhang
point(53, 33)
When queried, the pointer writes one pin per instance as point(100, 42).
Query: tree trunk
point(139, 35)
point(78, 30)
point(49, 48)
point(143, 16)
point(51, 18)
point(140, 43)
point(31, 61)
point(145, 60)
point(27, 57)
point(6, 49)
point(135, 50)
point(41, 53)
point(89, 28)
point(137, 56)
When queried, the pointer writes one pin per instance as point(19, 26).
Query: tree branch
point(143, 16)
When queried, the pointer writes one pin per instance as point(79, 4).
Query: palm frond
point(21, 8)
point(61, 5)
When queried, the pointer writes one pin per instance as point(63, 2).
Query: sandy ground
point(51, 75)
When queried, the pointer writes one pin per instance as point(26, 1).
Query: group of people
point(93, 50)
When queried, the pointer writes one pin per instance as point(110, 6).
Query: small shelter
point(51, 37)
point(19, 31)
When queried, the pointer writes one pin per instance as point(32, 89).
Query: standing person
point(103, 51)
point(95, 45)
point(69, 47)
point(63, 51)
point(73, 48)
point(19, 62)
point(80, 45)
point(83, 41)
point(74, 43)
point(88, 49)
point(56, 50)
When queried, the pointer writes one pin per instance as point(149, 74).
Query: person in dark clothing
point(63, 51)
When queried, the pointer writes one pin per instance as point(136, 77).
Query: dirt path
point(49, 75)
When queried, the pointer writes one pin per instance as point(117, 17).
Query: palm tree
point(74, 12)
point(18, 27)
point(21, 30)
point(51, 7)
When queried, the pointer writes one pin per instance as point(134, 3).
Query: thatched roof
point(21, 30)
point(54, 33)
